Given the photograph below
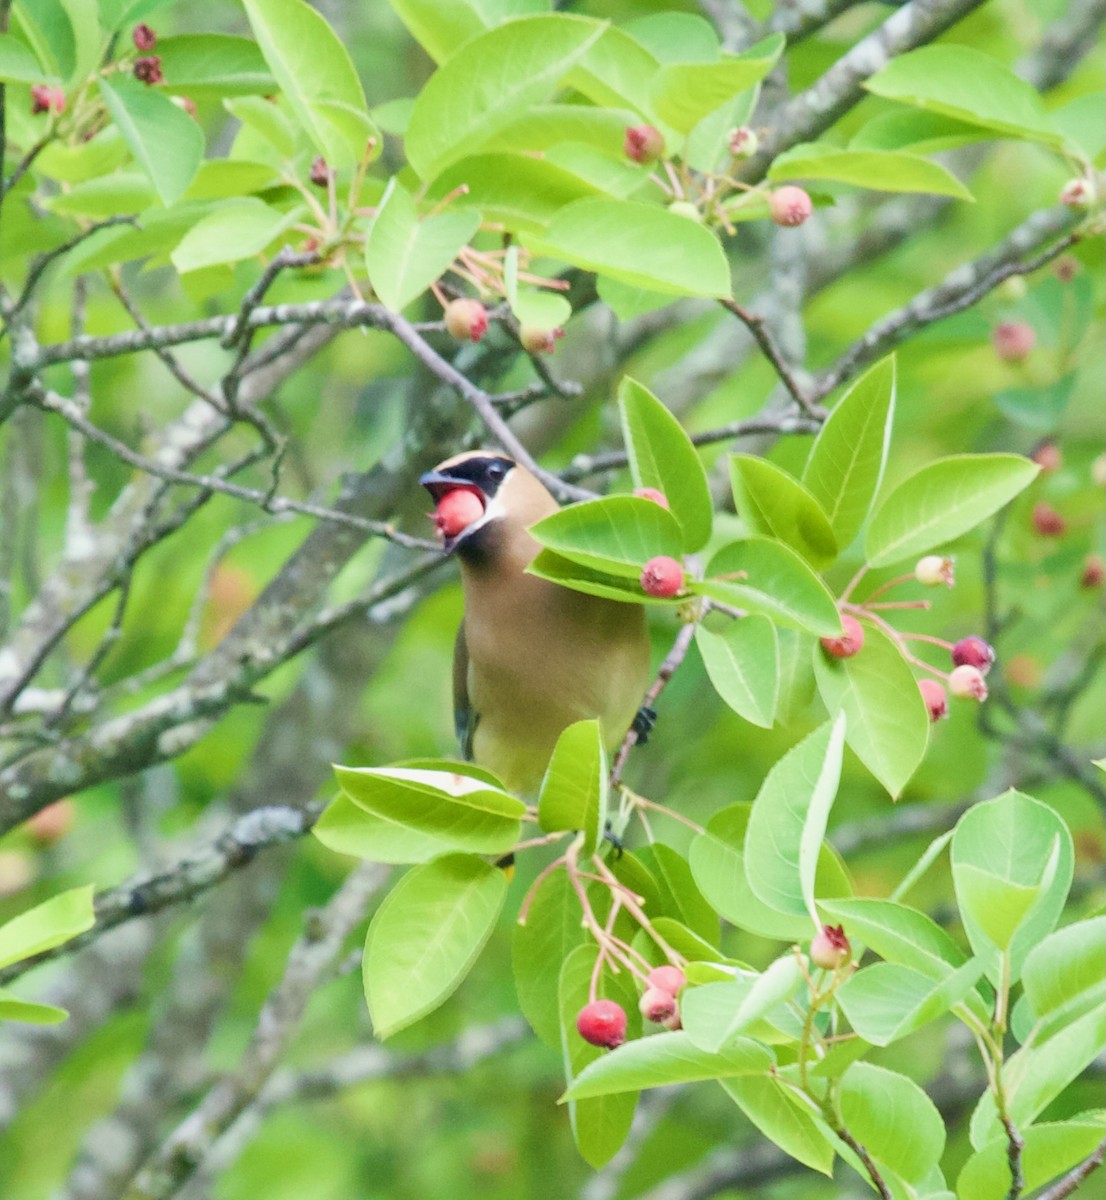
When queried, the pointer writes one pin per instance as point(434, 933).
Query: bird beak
point(439, 484)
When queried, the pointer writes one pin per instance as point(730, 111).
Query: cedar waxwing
point(531, 657)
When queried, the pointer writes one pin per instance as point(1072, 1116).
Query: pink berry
point(643, 143)
point(829, 948)
point(1047, 521)
point(602, 1023)
point(937, 703)
point(45, 98)
point(973, 651)
point(456, 511)
point(790, 206)
point(1094, 571)
point(537, 339)
point(657, 1005)
point(1013, 341)
point(968, 683)
point(465, 318)
point(933, 570)
point(662, 577)
point(1048, 457)
point(654, 494)
point(148, 70)
point(667, 979)
point(320, 172)
point(144, 37)
point(848, 643)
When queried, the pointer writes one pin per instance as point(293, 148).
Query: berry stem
point(892, 604)
point(886, 587)
point(543, 875)
point(926, 637)
point(853, 583)
point(637, 801)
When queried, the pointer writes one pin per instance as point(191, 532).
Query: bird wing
point(464, 718)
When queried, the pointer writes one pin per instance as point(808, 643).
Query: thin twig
point(1015, 1144)
point(758, 327)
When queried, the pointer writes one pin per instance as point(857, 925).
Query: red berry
point(1047, 521)
point(936, 701)
point(829, 948)
point(148, 70)
point(654, 494)
point(848, 643)
point(790, 206)
point(465, 318)
point(662, 577)
point(537, 339)
point(667, 979)
point(456, 511)
point(933, 570)
point(657, 1005)
point(320, 172)
point(643, 143)
point(602, 1023)
point(52, 822)
point(1094, 571)
point(973, 651)
point(144, 37)
point(1013, 340)
point(45, 98)
point(1048, 457)
point(968, 683)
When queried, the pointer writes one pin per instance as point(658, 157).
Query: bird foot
point(643, 723)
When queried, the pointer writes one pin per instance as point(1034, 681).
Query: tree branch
point(1076, 1175)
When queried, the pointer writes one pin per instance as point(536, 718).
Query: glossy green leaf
point(119, 192)
point(426, 935)
point(18, 64)
point(678, 894)
point(943, 500)
point(888, 723)
point(552, 929)
point(439, 28)
point(1063, 975)
point(767, 1103)
point(591, 582)
point(773, 503)
point(684, 93)
point(574, 790)
point(743, 665)
point(788, 821)
point(607, 236)
point(465, 812)
point(316, 76)
point(893, 1119)
point(707, 1010)
point(404, 254)
point(47, 925)
point(675, 37)
point(885, 1002)
point(880, 170)
point(762, 575)
point(14, 1009)
point(268, 119)
point(617, 535)
point(666, 1058)
point(847, 460)
point(718, 863)
point(215, 63)
point(347, 828)
point(474, 95)
point(779, 981)
point(545, 126)
point(599, 1124)
point(1048, 1152)
point(965, 83)
point(1011, 866)
point(617, 71)
point(161, 231)
point(897, 933)
point(662, 457)
point(915, 130)
point(237, 229)
point(165, 141)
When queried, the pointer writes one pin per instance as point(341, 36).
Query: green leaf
point(215, 63)
point(405, 255)
point(1016, 852)
point(893, 1119)
point(678, 895)
point(743, 665)
point(847, 460)
point(943, 500)
point(546, 126)
point(600, 1124)
point(238, 228)
point(765, 576)
point(617, 535)
point(552, 929)
point(876, 689)
point(425, 937)
point(617, 71)
point(591, 582)
point(684, 93)
point(607, 236)
point(465, 812)
point(662, 457)
point(707, 1010)
point(666, 1058)
point(267, 119)
point(439, 28)
point(1062, 974)
point(165, 141)
point(879, 170)
point(915, 130)
point(788, 821)
point(718, 863)
point(18, 64)
point(14, 1009)
point(47, 925)
point(772, 503)
point(1039, 408)
point(316, 76)
point(474, 95)
point(886, 1002)
point(119, 192)
point(708, 143)
point(767, 1102)
point(964, 83)
point(574, 790)
point(347, 828)
point(779, 981)
point(675, 37)
point(1049, 1150)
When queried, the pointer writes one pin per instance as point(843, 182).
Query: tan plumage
point(531, 657)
